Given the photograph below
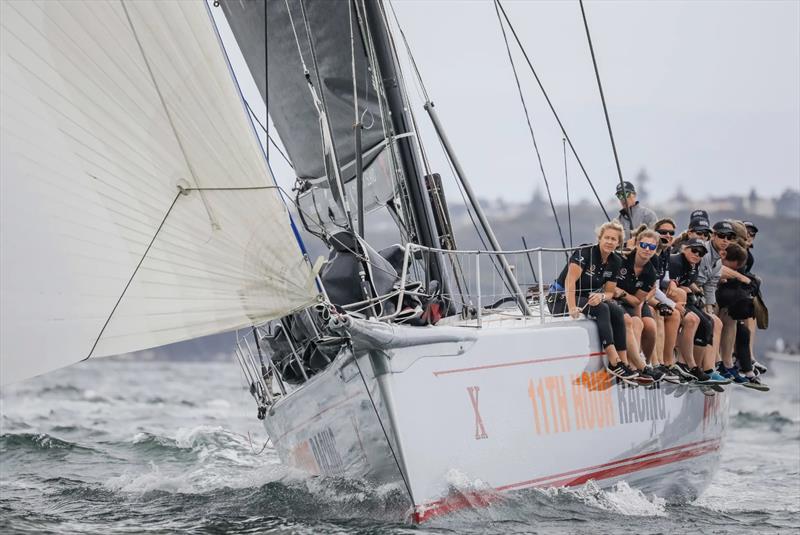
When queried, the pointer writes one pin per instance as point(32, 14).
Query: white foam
point(621, 499)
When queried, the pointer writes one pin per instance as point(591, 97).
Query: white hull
point(513, 405)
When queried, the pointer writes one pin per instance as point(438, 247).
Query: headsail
point(108, 110)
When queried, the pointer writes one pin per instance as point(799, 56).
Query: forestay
point(107, 108)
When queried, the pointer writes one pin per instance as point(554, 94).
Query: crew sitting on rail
point(735, 299)
point(587, 284)
point(752, 230)
point(697, 326)
point(635, 282)
point(670, 308)
point(699, 229)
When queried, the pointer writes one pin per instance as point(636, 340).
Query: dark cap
point(627, 186)
point(699, 225)
point(694, 242)
point(698, 214)
point(724, 227)
point(750, 226)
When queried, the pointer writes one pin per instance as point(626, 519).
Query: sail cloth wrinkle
point(291, 105)
point(108, 107)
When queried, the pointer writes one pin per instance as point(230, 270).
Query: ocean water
point(122, 446)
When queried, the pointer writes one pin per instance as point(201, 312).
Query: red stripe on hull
point(606, 471)
point(518, 363)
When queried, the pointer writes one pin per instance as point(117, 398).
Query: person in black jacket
point(669, 307)
point(735, 299)
point(586, 285)
point(635, 283)
point(695, 332)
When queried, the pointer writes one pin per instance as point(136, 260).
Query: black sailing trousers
point(609, 316)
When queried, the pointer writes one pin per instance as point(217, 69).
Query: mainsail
point(316, 62)
point(280, 62)
point(137, 208)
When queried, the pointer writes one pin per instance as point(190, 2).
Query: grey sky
point(703, 94)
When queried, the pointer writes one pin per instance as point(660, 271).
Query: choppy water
point(116, 446)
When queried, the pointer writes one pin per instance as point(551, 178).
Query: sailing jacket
point(640, 215)
point(708, 273)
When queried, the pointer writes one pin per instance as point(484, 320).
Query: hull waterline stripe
point(627, 460)
point(519, 363)
point(607, 471)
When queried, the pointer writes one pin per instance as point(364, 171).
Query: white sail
point(107, 108)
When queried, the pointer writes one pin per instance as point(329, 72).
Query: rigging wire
point(552, 108)
point(135, 271)
point(266, 131)
point(421, 84)
point(455, 261)
point(530, 126)
point(266, 83)
point(566, 183)
point(380, 421)
point(605, 111)
point(410, 223)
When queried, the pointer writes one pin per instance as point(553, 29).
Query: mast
point(420, 203)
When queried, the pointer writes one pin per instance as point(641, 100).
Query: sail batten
point(94, 147)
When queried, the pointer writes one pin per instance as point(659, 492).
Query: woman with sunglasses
point(636, 281)
point(586, 285)
point(670, 308)
point(699, 229)
point(697, 327)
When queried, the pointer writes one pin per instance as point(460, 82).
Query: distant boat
point(138, 209)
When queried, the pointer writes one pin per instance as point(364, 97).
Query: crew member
point(587, 285)
point(626, 194)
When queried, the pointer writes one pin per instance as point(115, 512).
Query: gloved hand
point(664, 309)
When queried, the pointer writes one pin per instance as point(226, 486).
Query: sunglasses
point(645, 245)
point(752, 234)
point(704, 233)
point(623, 196)
point(699, 252)
point(666, 232)
point(725, 236)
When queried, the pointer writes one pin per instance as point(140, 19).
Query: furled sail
point(136, 205)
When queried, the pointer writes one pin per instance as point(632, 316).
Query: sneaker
point(760, 367)
point(738, 378)
point(669, 375)
point(716, 377)
point(756, 384)
point(627, 372)
point(682, 370)
point(616, 369)
point(677, 372)
point(725, 372)
point(699, 374)
point(645, 377)
point(653, 372)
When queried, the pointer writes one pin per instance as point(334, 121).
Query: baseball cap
point(694, 242)
point(724, 227)
point(627, 186)
point(698, 214)
point(699, 225)
point(750, 226)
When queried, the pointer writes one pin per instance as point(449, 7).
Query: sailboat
point(139, 209)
